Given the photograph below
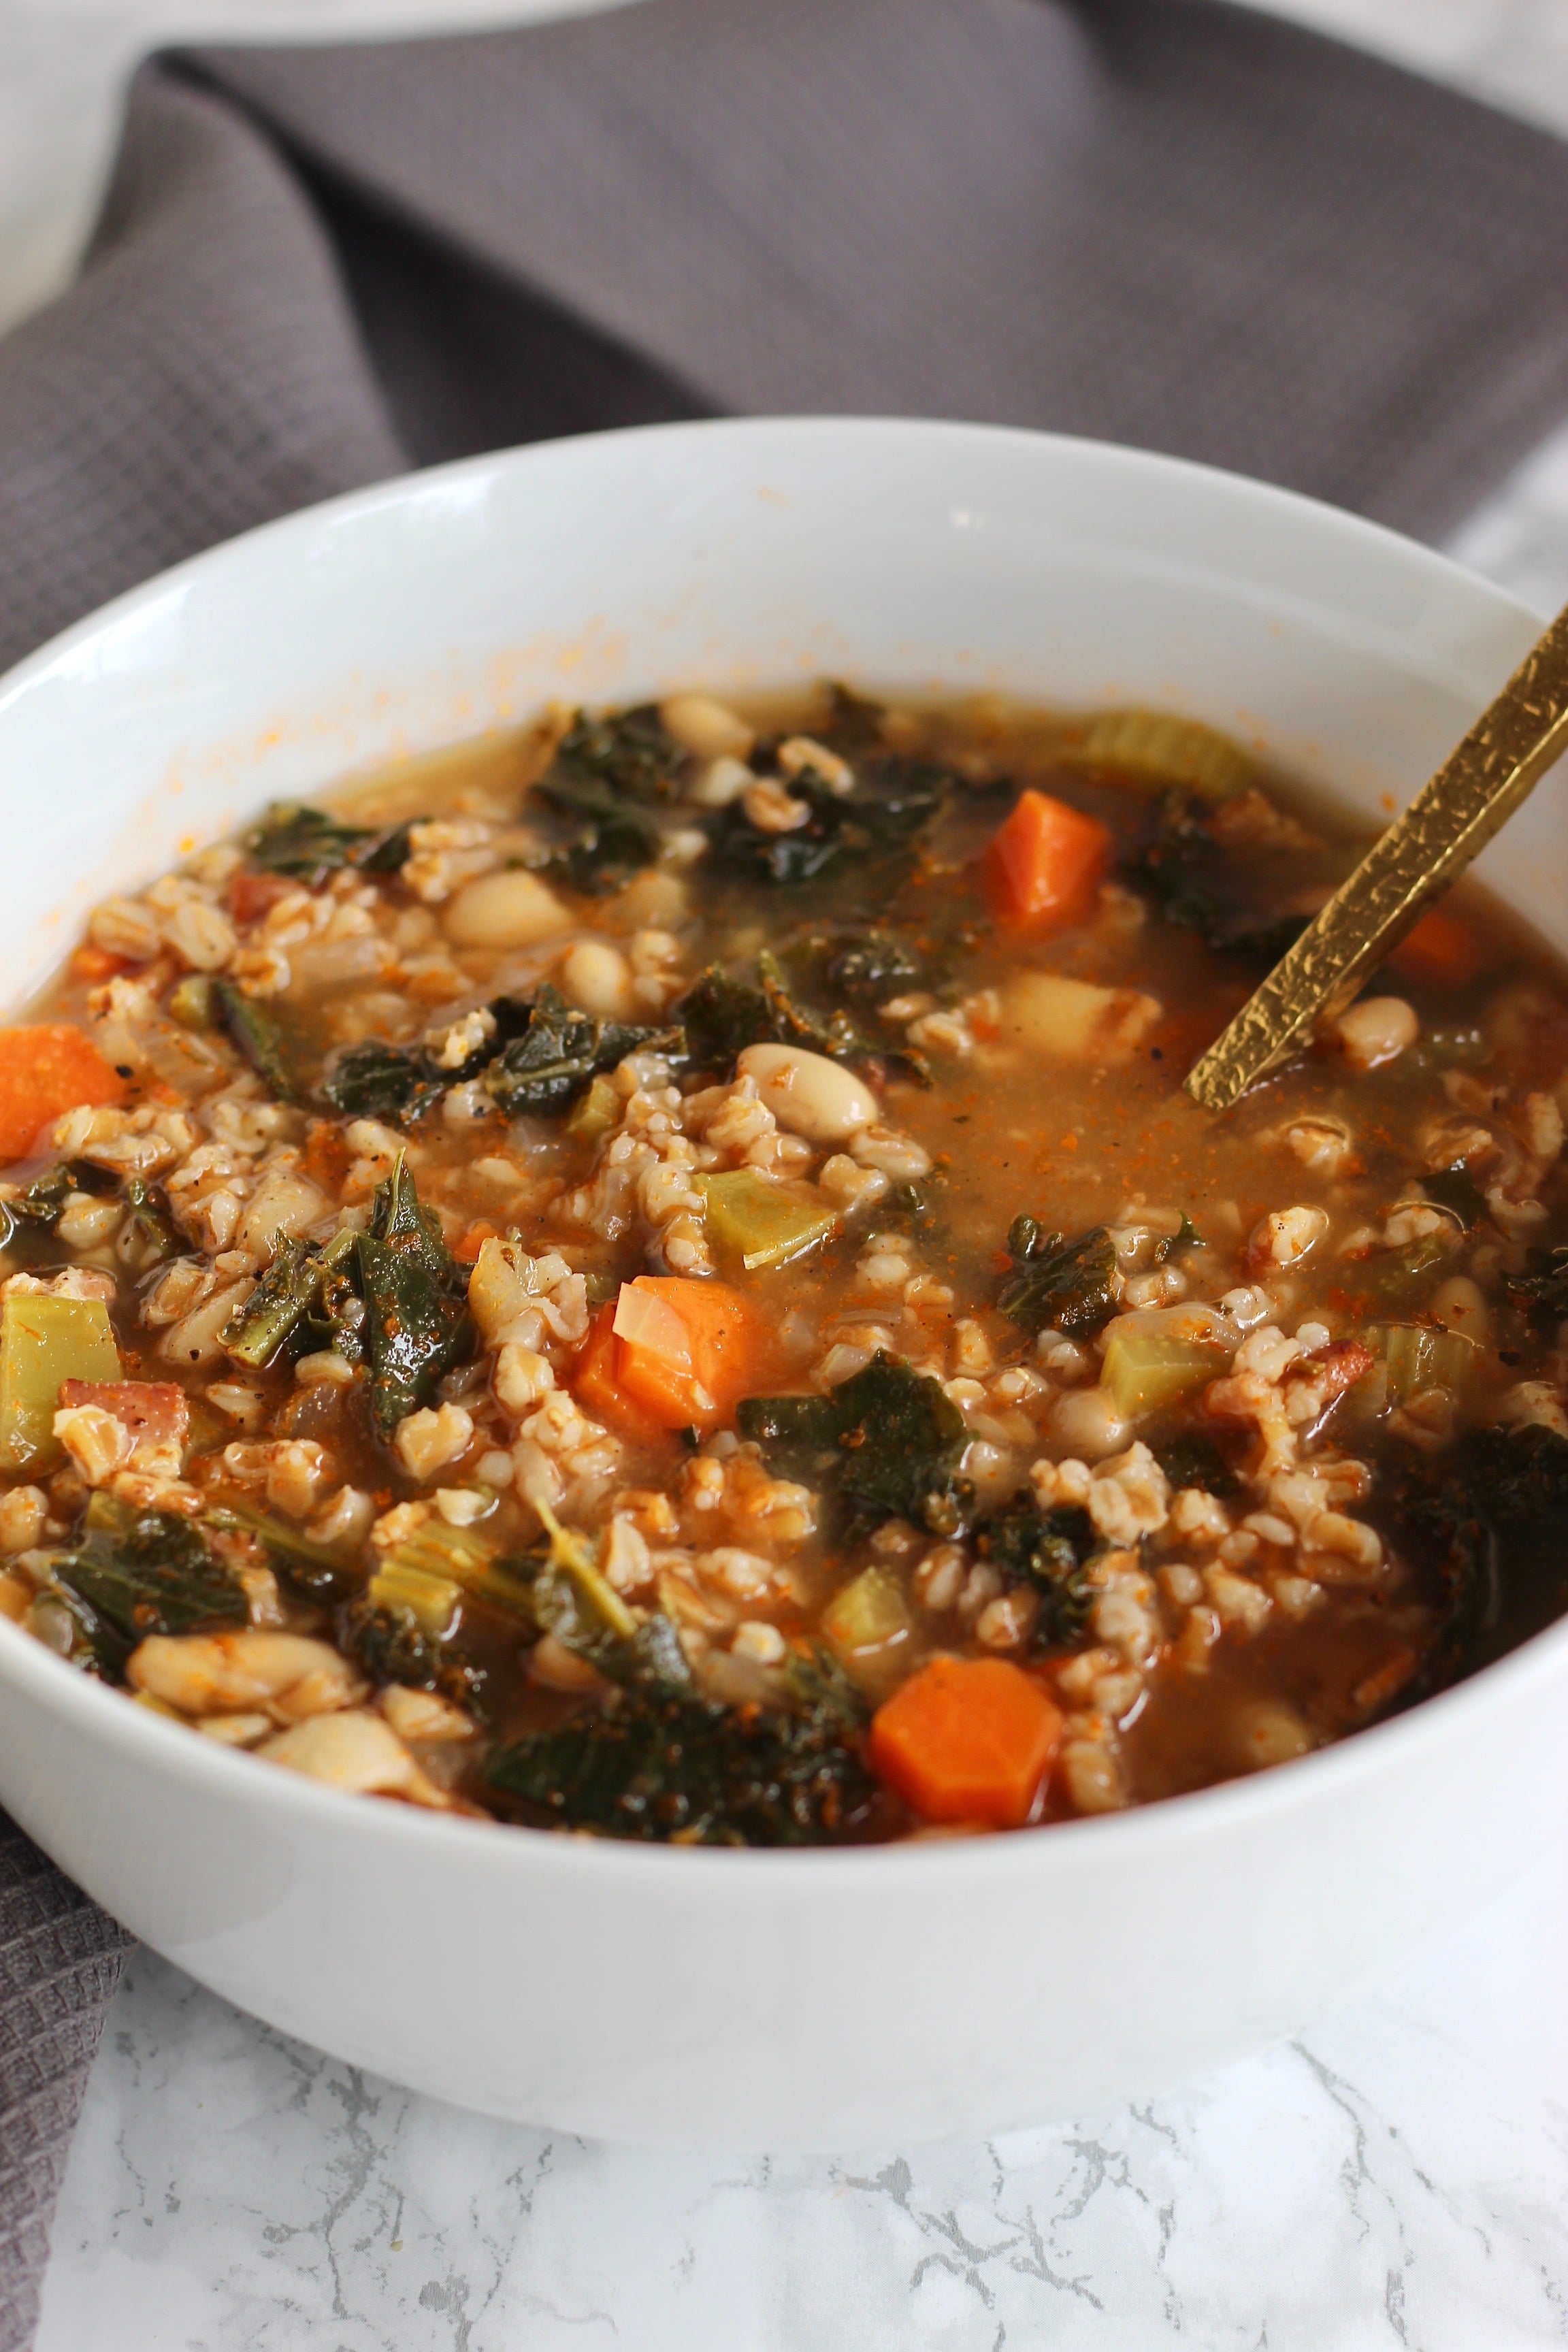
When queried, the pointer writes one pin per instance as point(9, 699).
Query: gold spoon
point(1454, 815)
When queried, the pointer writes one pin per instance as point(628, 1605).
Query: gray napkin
point(1158, 221)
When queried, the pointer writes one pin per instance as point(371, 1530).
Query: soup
point(655, 1276)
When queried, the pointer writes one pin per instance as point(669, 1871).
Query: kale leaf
point(372, 1080)
point(886, 1444)
point(307, 844)
point(1459, 1517)
point(602, 769)
point(1060, 1285)
point(389, 1646)
point(1455, 1188)
point(259, 1037)
point(1048, 1548)
point(883, 818)
point(854, 723)
point(1543, 1288)
point(559, 1050)
point(720, 1017)
point(873, 966)
point(1194, 883)
point(1192, 1460)
point(313, 1571)
point(417, 1322)
point(270, 1317)
point(629, 752)
point(155, 1574)
point(656, 1765)
point(147, 1237)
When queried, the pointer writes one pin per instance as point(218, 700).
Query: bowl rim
point(108, 1717)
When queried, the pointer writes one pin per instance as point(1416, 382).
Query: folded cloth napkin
point(1161, 221)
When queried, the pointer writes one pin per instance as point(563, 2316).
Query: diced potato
point(1159, 1358)
point(43, 1341)
point(1075, 1020)
point(762, 1221)
point(870, 1626)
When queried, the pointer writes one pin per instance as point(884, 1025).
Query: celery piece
point(1157, 1359)
point(1413, 1358)
point(867, 1619)
point(1164, 749)
point(761, 1221)
point(43, 1341)
point(431, 1600)
point(597, 1111)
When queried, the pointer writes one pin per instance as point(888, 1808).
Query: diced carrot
point(45, 1070)
point(1442, 949)
point(1044, 866)
point(687, 1351)
point(96, 965)
point(467, 1250)
point(597, 1385)
point(968, 1739)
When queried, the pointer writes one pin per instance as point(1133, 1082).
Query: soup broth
point(656, 1276)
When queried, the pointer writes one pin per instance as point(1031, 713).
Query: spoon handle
point(1452, 818)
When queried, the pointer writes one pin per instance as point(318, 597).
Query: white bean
point(509, 909)
point(808, 1093)
point(1085, 1422)
point(596, 976)
point(1376, 1031)
point(709, 730)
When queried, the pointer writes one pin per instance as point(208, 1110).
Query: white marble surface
point(1398, 2177)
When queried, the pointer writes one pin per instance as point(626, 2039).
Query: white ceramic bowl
point(763, 1999)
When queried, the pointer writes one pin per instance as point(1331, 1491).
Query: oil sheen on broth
point(655, 1276)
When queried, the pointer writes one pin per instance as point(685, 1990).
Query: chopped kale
point(371, 1080)
point(612, 842)
point(874, 966)
point(1455, 1188)
point(1048, 1548)
point(258, 1037)
point(658, 1766)
point(1543, 1288)
point(603, 769)
point(313, 1571)
point(854, 723)
point(629, 752)
point(886, 1444)
point(1461, 1517)
point(147, 1237)
point(307, 844)
point(1060, 1286)
point(417, 1322)
point(152, 1573)
point(881, 819)
point(1196, 882)
point(42, 1201)
point(389, 1646)
point(559, 1051)
point(1196, 1461)
point(256, 1331)
point(720, 1017)
point(1186, 1236)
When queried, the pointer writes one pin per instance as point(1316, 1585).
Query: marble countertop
point(1396, 2177)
